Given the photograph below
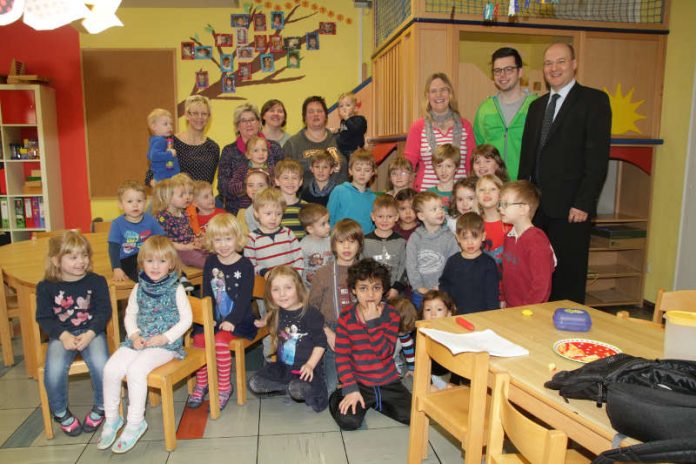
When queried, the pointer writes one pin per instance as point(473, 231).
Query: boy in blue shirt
point(354, 199)
point(162, 157)
point(130, 230)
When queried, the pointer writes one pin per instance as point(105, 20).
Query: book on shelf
point(28, 216)
point(5, 213)
point(19, 213)
point(42, 216)
point(36, 212)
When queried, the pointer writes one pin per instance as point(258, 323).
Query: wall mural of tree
point(295, 11)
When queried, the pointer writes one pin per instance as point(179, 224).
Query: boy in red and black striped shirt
point(365, 339)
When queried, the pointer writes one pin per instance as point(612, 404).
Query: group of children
point(345, 270)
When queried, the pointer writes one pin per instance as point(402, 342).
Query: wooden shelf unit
point(29, 112)
point(616, 274)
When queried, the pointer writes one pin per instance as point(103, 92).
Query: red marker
point(296, 372)
point(464, 323)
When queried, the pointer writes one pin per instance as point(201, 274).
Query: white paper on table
point(475, 342)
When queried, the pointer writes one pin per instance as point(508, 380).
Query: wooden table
point(580, 419)
point(23, 264)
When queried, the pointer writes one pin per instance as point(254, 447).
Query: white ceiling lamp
point(102, 16)
point(45, 15)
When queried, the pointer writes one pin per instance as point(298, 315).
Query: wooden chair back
point(52, 233)
point(626, 316)
point(679, 300)
point(259, 287)
point(101, 226)
point(536, 444)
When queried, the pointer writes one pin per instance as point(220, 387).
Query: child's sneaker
point(188, 286)
point(129, 437)
point(69, 424)
point(224, 397)
point(195, 399)
point(108, 435)
point(93, 420)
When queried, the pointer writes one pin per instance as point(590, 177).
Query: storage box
point(680, 333)
point(572, 320)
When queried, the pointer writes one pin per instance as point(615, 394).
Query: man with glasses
point(500, 119)
point(565, 152)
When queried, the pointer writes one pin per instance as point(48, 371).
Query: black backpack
point(590, 382)
point(680, 450)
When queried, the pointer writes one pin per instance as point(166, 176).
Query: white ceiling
point(180, 4)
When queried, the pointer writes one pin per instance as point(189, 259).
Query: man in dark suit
point(565, 152)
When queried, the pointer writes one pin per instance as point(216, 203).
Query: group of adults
point(200, 156)
point(559, 141)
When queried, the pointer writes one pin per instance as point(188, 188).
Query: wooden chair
point(8, 312)
point(626, 316)
point(536, 444)
point(679, 300)
point(101, 226)
point(165, 377)
point(460, 410)
point(239, 346)
point(79, 366)
point(52, 233)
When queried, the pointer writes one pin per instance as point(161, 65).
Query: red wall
point(56, 55)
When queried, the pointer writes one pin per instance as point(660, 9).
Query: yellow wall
point(671, 157)
point(328, 72)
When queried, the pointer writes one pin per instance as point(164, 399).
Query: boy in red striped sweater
point(365, 339)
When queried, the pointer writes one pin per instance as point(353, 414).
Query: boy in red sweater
point(528, 258)
point(365, 339)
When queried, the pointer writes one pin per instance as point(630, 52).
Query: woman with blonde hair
point(440, 124)
point(198, 154)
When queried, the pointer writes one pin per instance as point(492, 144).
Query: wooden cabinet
point(31, 197)
point(616, 268)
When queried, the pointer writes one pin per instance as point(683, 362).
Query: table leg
point(25, 322)
point(418, 430)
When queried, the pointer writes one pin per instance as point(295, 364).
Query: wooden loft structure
point(619, 51)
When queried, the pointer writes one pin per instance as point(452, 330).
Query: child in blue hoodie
point(353, 199)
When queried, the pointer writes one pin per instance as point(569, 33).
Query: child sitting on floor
point(365, 340)
point(297, 336)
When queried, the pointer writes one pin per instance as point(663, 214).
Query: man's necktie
point(545, 128)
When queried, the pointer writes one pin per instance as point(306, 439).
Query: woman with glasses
point(234, 160)
point(198, 155)
point(441, 124)
point(315, 138)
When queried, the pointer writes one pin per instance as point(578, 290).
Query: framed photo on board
point(187, 50)
point(244, 71)
point(239, 20)
point(259, 22)
point(245, 54)
point(226, 62)
point(267, 63)
point(277, 20)
point(203, 52)
point(293, 59)
point(224, 40)
point(228, 83)
point(202, 80)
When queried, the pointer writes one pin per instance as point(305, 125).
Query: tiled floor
point(270, 430)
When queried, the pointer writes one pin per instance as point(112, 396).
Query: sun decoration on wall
point(624, 113)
